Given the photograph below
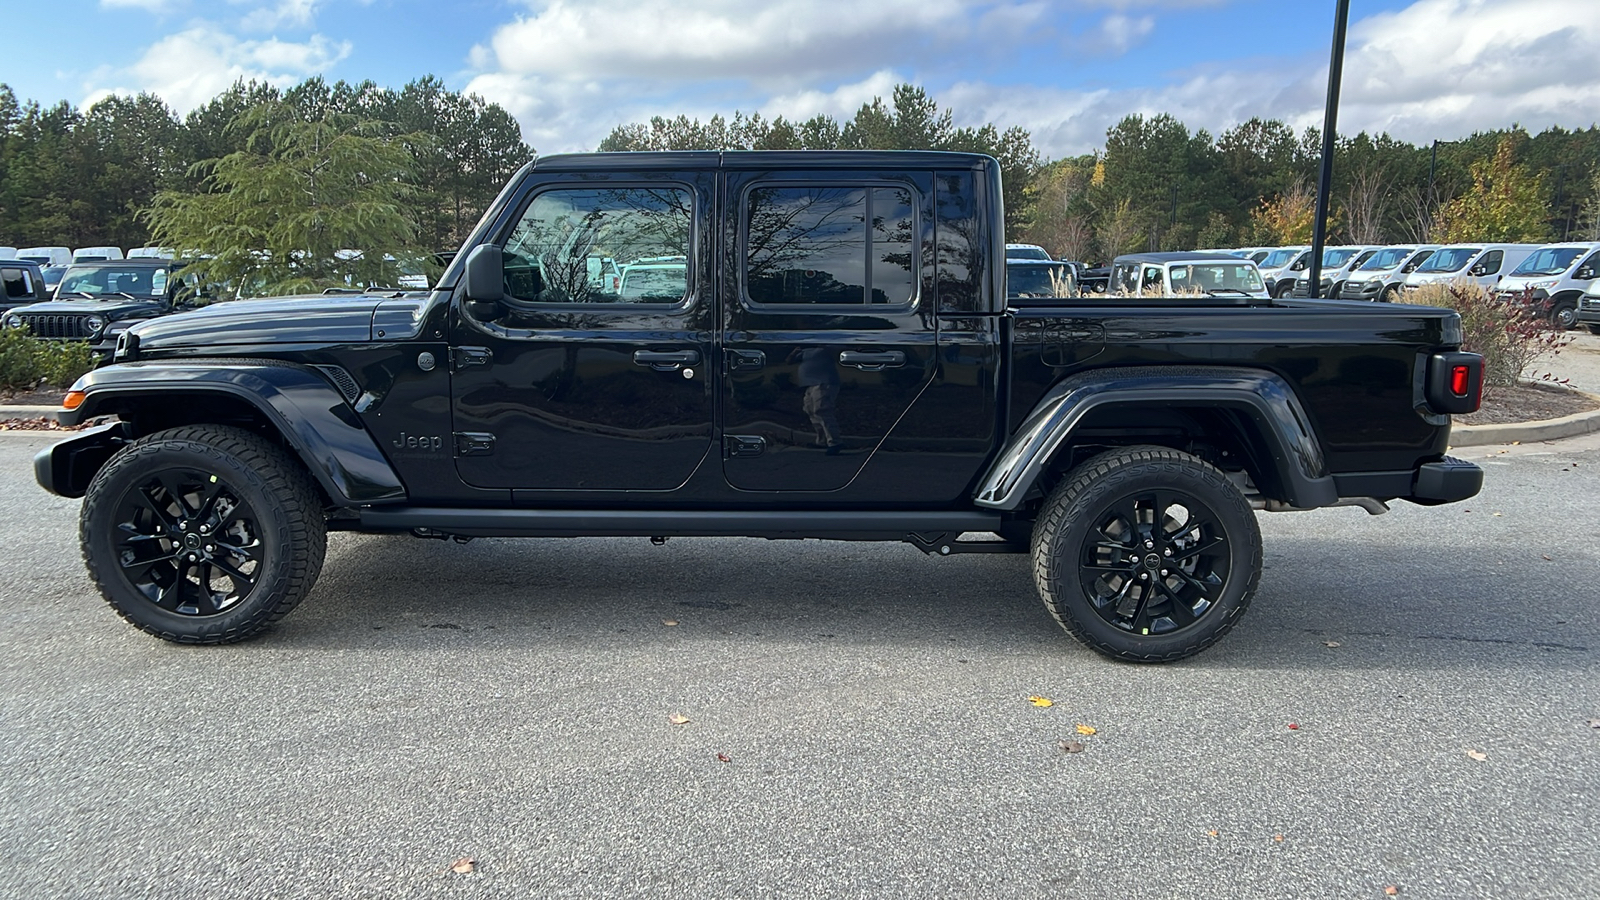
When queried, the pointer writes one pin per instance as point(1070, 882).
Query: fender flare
point(1264, 398)
point(312, 416)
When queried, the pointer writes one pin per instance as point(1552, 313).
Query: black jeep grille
point(69, 327)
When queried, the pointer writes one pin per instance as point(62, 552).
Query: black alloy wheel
point(1147, 554)
point(203, 534)
point(187, 542)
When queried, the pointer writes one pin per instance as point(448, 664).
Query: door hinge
point(743, 446)
point(474, 443)
point(466, 357)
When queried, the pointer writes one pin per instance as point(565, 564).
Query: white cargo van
point(1589, 307)
point(1385, 271)
point(8, 253)
point(47, 256)
point(95, 254)
point(1483, 264)
point(1554, 276)
point(1337, 264)
point(1280, 267)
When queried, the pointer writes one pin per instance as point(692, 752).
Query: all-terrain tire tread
point(1064, 506)
point(302, 534)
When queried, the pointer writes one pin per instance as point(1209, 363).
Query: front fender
point(1263, 397)
point(312, 417)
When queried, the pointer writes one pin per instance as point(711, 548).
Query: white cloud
point(283, 14)
point(190, 67)
point(571, 72)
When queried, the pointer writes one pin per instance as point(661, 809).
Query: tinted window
point(1208, 277)
point(830, 245)
point(18, 282)
point(1490, 263)
point(1037, 281)
point(114, 280)
point(571, 244)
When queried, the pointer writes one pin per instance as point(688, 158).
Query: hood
point(310, 319)
point(110, 310)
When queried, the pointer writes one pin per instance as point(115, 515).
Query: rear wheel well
point(1226, 438)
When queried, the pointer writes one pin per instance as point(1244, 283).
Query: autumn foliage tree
point(1505, 203)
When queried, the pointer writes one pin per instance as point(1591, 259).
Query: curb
point(28, 412)
point(1526, 432)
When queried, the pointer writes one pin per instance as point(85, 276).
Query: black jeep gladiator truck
point(829, 355)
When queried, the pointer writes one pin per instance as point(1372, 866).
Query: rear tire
point(1146, 554)
point(1594, 329)
point(203, 534)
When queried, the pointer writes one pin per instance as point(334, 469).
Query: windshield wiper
point(84, 294)
point(125, 294)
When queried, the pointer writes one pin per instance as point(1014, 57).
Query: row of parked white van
point(1554, 276)
point(66, 256)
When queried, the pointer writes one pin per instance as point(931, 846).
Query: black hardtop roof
point(764, 159)
point(20, 262)
point(1192, 256)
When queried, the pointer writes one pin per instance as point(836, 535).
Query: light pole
point(1330, 124)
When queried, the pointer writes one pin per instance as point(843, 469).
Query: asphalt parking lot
point(509, 701)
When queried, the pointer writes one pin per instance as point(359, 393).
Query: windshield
point(1386, 259)
point(1549, 261)
point(1449, 259)
point(1277, 259)
point(1334, 259)
point(1026, 253)
point(1037, 281)
point(1224, 277)
point(666, 284)
point(52, 275)
point(114, 281)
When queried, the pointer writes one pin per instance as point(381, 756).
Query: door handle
point(665, 360)
point(872, 362)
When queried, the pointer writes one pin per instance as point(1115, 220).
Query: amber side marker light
point(72, 400)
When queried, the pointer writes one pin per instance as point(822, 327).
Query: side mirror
point(1584, 274)
point(1477, 271)
point(486, 278)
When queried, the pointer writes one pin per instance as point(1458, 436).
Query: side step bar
point(839, 525)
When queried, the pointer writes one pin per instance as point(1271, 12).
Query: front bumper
point(66, 467)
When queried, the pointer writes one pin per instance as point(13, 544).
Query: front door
point(829, 333)
point(594, 373)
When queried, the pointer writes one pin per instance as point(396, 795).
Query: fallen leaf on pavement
point(1211, 833)
point(1546, 558)
point(1391, 890)
point(1294, 726)
point(1070, 746)
point(1594, 723)
point(1330, 643)
point(1478, 755)
point(1278, 838)
point(723, 757)
point(1087, 729)
point(669, 622)
point(463, 865)
point(1041, 702)
point(678, 719)
point(1497, 514)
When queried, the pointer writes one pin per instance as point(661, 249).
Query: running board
point(837, 525)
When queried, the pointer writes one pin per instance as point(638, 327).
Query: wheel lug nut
point(1163, 573)
point(1143, 576)
point(1167, 552)
point(1149, 545)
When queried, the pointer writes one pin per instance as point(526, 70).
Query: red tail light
point(1454, 382)
point(1460, 381)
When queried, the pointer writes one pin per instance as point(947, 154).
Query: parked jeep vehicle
point(97, 301)
point(1554, 277)
point(1382, 276)
point(1039, 279)
point(839, 362)
point(23, 284)
point(1168, 274)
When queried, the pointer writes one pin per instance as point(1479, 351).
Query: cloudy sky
point(571, 70)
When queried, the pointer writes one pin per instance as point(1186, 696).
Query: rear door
point(567, 385)
point(829, 335)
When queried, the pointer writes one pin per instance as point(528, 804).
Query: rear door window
point(835, 245)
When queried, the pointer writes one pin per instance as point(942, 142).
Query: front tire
point(203, 534)
point(1564, 316)
point(1146, 554)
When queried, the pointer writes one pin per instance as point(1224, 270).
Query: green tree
point(284, 213)
point(1505, 202)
